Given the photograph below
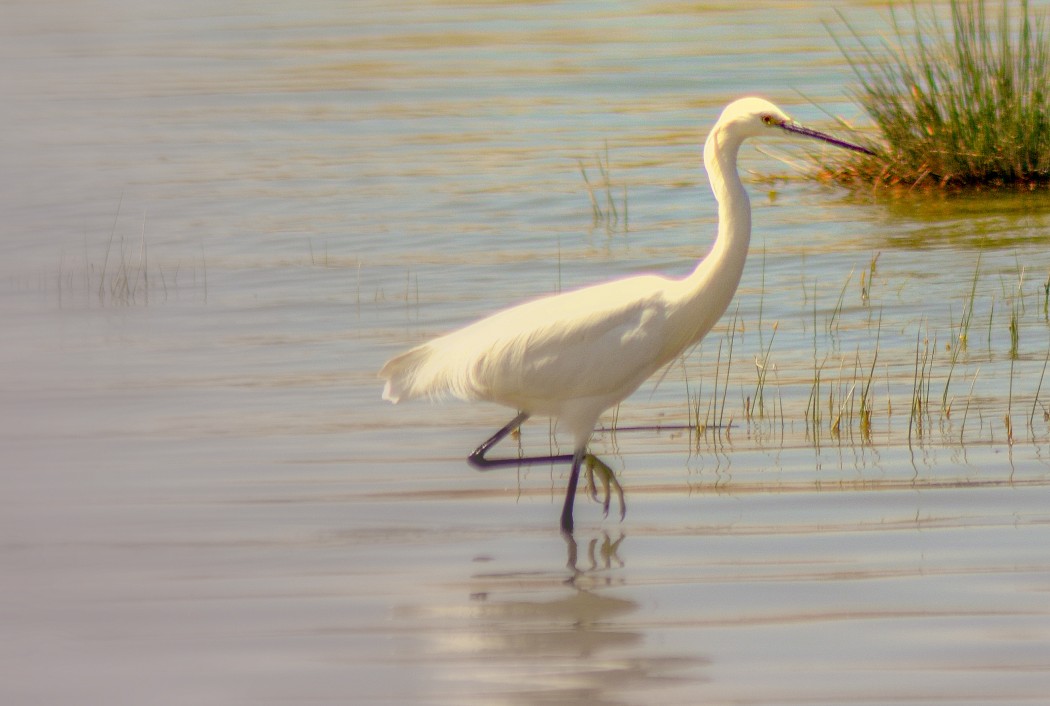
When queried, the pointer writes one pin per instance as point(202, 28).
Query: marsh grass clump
point(126, 274)
point(958, 104)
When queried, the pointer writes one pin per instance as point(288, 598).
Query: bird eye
point(769, 119)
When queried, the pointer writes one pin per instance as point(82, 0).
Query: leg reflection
point(602, 553)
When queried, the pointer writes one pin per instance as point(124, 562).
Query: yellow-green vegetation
point(873, 381)
point(957, 104)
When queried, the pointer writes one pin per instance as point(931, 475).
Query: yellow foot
point(609, 483)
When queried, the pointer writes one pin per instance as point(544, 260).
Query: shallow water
point(220, 219)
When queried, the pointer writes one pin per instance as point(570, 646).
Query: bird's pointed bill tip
point(791, 126)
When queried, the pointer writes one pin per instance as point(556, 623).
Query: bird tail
point(401, 374)
point(419, 372)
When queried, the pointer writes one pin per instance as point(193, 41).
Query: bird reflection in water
point(601, 556)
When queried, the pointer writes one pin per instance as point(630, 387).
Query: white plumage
point(573, 355)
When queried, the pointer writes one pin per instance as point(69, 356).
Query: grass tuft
point(957, 104)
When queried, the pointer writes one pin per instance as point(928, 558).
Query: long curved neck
point(704, 295)
point(734, 209)
point(714, 281)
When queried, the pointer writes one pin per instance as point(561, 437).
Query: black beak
point(816, 134)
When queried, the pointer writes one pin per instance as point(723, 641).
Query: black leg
point(570, 492)
point(477, 458)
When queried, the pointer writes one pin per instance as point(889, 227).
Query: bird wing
point(599, 342)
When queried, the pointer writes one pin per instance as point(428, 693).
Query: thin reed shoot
point(604, 211)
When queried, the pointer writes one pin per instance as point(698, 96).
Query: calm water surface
point(221, 218)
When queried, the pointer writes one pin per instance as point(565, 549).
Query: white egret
point(573, 355)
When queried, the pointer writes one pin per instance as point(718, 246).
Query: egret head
point(755, 117)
